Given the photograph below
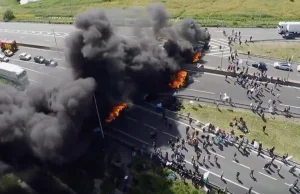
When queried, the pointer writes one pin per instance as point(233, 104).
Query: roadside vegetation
point(283, 50)
point(161, 184)
point(281, 132)
point(254, 13)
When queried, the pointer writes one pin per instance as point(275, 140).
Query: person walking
point(237, 176)
point(278, 169)
point(222, 173)
point(250, 190)
point(234, 157)
point(251, 173)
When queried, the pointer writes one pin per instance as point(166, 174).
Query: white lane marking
point(289, 105)
point(126, 134)
point(298, 97)
point(169, 134)
point(288, 184)
point(237, 184)
point(32, 80)
point(150, 126)
point(40, 73)
point(132, 119)
point(200, 91)
point(240, 164)
point(22, 37)
point(61, 68)
point(267, 176)
point(218, 155)
point(57, 59)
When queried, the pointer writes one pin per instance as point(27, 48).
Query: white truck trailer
point(15, 75)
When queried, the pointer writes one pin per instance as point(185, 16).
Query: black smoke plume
point(125, 67)
point(50, 123)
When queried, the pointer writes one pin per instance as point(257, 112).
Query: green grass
point(282, 50)
point(210, 13)
point(283, 133)
point(9, 185)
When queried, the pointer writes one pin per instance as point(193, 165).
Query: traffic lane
point(53, 73)
point(37, 26)
point(58, 56)
point(256, 33)
point(227, 165)
point(216, 84)
point(36, 79)
point(215, 61)
point(43, 40)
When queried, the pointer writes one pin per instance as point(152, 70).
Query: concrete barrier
point(232, 74)
point(40, 47)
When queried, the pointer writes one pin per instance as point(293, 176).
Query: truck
point(15, 75)
point(282, 27)
point(8, 45)
point(292, 31)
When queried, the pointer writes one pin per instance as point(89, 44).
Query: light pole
point(287, 79)
point(55, 38)
point(99, 119)
point(222, 56)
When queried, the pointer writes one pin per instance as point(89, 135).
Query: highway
point(211, 85)
point(136, 124)
point(39, 73)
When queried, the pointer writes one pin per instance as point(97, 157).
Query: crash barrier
point(148, 153)
point(201, 124)
point(275, 40)
point(40, 47)
point(236, 105)
point(267, 57)
point(232, 74)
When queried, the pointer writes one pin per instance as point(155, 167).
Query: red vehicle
point(8, 45)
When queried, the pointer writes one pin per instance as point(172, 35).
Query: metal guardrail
point(234, 104)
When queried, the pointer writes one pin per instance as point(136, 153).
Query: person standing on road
point(222, 173)
point(278, 169)
point(216, 159)
point(277, 96)
point(251, 173)
point(234, 157)
point(250, 190)
point(187, 129)
point(237, 176)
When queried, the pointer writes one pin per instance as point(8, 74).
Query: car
point(8, 53)
point(298, 68)
point(260, 66)
point(25, 56)
point(3, 58)
point(51, 63)
point(283, 65)
point(39, 59)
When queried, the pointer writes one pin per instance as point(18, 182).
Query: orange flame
point(196, 57)
point(178, 79)
point(115, 112)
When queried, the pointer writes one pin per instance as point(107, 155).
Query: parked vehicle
point(39, 59)
point(3, 58)
point(8, 53)
point(283, 65)
point(51, 63)
point(25, 56)
point(261, 66)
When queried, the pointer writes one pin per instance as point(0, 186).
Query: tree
point(8, 15)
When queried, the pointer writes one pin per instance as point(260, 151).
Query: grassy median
point(282, 50)
point(254, 13)
point(281, 132)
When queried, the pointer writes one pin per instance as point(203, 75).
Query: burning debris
point(115, 112)
point(178, 80)
point(196, 57)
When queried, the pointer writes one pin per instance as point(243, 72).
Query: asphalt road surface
point(39, 73)
point(136, 123)
point(54, 36)
point(211, 85)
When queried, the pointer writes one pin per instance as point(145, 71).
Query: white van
point(15, 75)
point(282, 26)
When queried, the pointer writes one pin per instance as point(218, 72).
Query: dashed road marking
point(132, 119)
point(241, 164)
point(267, 176)
point(150, 126)
point(126, 134)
